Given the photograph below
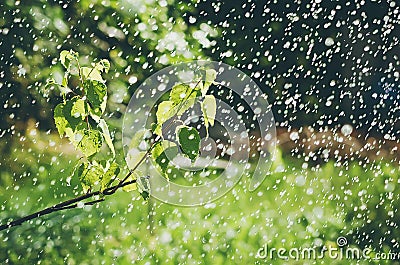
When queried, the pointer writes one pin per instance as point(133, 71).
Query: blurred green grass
point(297, 206)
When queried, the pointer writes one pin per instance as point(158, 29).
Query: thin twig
point(73, 203)
point(156, 140)
point(69, 204)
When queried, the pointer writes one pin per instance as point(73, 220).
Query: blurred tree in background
point(138, 37)
point(322, 64)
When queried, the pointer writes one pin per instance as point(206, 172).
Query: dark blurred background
point(322, 63)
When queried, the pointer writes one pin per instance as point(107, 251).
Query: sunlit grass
point(294, 207)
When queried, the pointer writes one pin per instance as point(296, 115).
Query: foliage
point(137, 37)
point(182, 98)
point(189, 140)
point(80, 118)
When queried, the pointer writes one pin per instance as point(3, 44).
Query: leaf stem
point(69, 204)
point(80, 74)
point(155, 141)
point(73, 203)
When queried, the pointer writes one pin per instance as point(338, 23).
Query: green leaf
point(64, 82)
point(93, 173)
point(63, 58)
point(59, 119)
point(92, 74)
point(133, 158)
point(68, 110)
point(163, 161)
point(66, 57)
point(189, 140)
point(209, 79)
point(103, 65)
point(106, 134)
point(171, 149)
point(89, 174)
point(96, 93)
point(164, 112)
point(143, 185)
point(209, 109)
point(133, 186)
point(93, 115)
point(211, 74)
point(77, 133)
point(111, 172)
point(183, 96)
point(65, 122)
point(187, 104)
point(159, 156)
point(179, 92)
point(78, 109)
point(63, 88)
point(162, 152)
point(90, 142)
point(145, 195)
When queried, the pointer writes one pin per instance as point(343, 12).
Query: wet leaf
point(96, 93)
point(160, 157)
point(209, 109)
point(111, 172)
point(143, 185)
point(209, 79)
point(92, 74)
point(64, 82)
point(164, 112)
point(78, 109)
point(89, 174)
point(90, 143)
point(68, 111)
point(106, 134)
point(66, 57)
point(189, 141)
point(130, 187)
point(183, 97)
point(103, 65)
point(133, 186)
point(179, 93)
point(59, 119)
